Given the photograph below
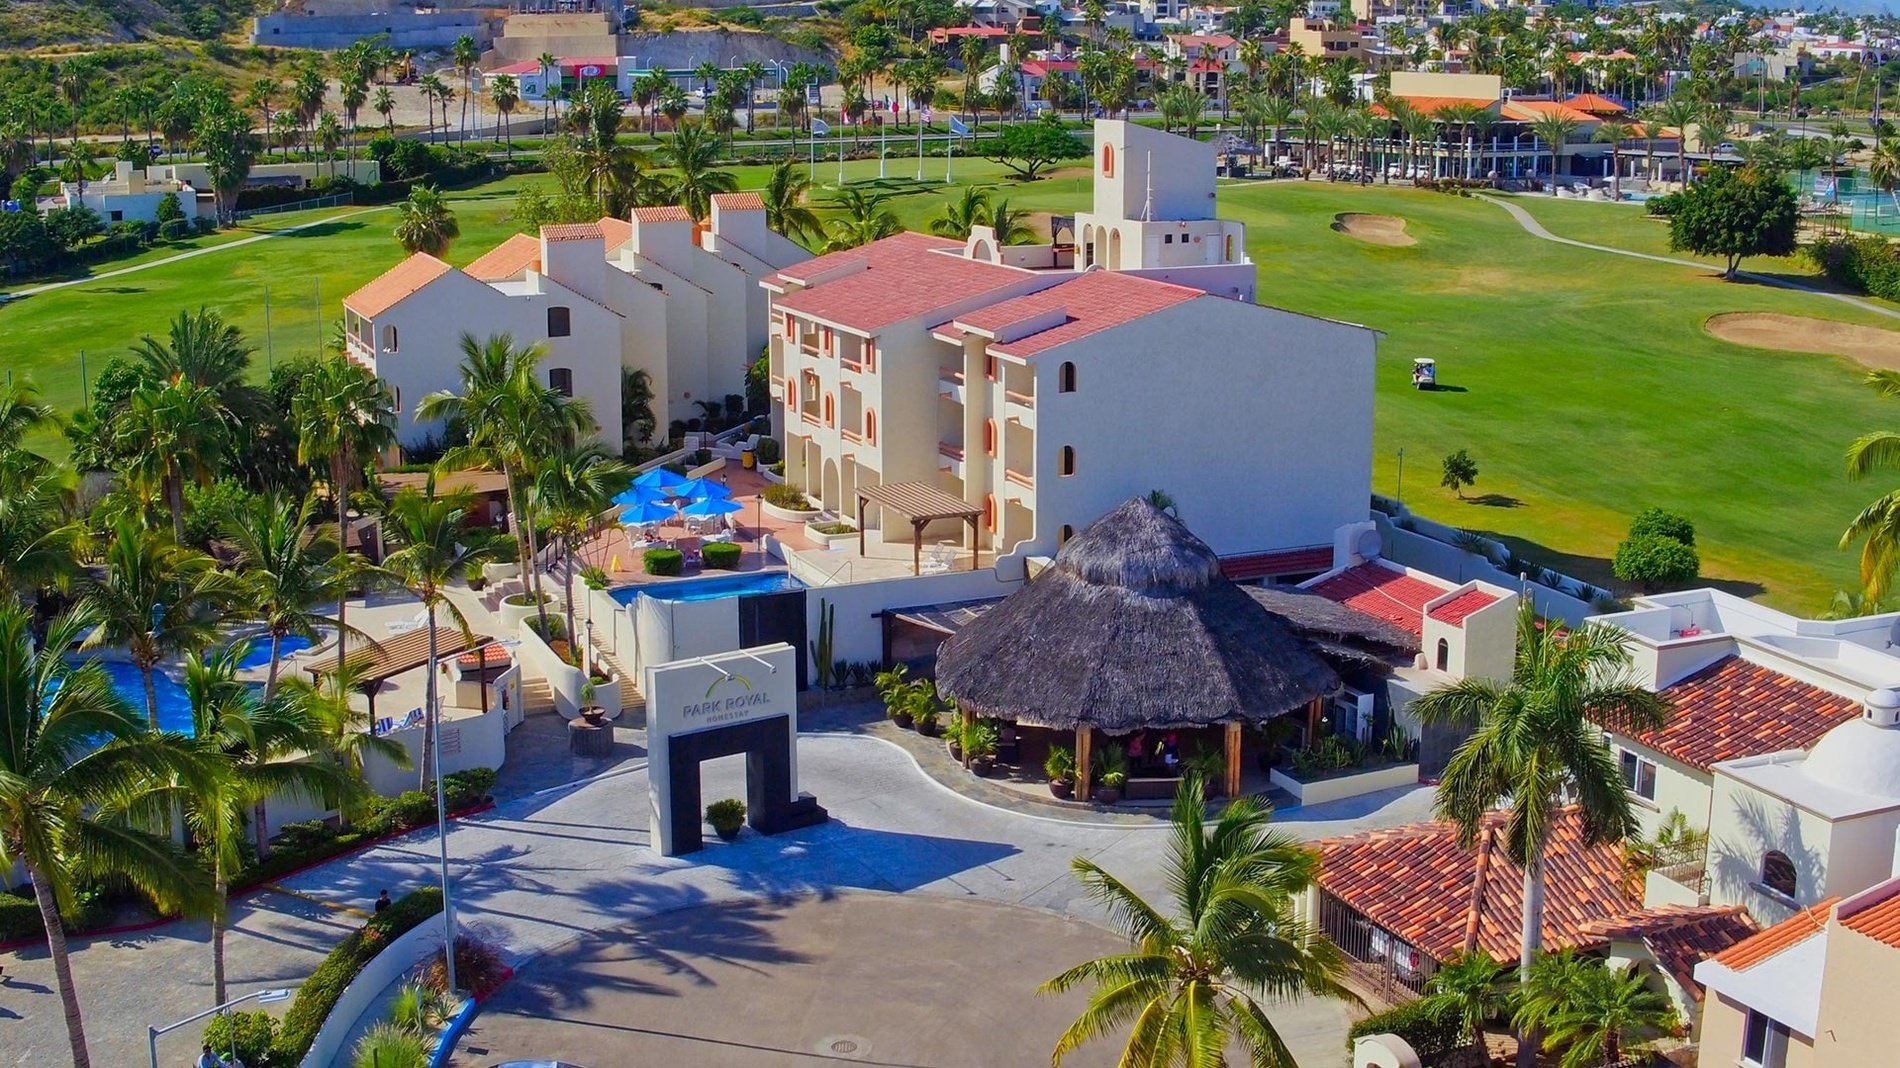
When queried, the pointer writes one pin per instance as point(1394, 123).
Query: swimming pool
point(174, 708)
point(711, 589)
point(258, 655)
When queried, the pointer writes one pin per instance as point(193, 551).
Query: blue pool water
point(711, 589)
point(174, 709)
point(259, 653)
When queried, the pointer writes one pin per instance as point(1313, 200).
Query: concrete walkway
point(1536, 229)
point(542, 870)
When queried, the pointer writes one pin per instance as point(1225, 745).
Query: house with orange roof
point(1811, 991)
point(655, 292)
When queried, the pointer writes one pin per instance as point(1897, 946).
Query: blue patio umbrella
point(658, 478)
point(712, 506)
point(647, 512)
point(698, 488)
point(640, 495)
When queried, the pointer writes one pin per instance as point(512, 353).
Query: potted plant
point(726, 817)
point(953, 735)
point(927, 715)
point(1210, 766)
point(979, 740)
point(897, 705)
point(1060, 767)
point(590, 711)
point(1111, 774)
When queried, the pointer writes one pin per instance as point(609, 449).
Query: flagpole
point(841, 160)
point(920, 146)
point(950, 151)
point(883, 144)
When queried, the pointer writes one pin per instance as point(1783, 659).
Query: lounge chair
point(941, 559)
point(384, 725)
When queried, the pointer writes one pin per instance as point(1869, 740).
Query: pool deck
point(610, 552)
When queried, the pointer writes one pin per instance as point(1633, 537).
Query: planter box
point(827, 541)
point(766, 473)
point(512, 615)
point(564, 679)
point(1351, 782)
point(789, 515)
point(494, 573)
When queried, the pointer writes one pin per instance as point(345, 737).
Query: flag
point(957, 127)
point(819, 128)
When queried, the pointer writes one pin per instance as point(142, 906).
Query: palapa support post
point(860, 524)
point(1312, 721)
point(1233, 760)
point(1084, 766)
point(917, 546)
point(968, 717)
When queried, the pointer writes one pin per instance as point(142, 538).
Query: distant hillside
point(43, 23)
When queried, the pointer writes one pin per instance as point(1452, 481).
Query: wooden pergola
point(923, 504)
point(379, 661)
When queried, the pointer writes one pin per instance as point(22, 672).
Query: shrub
point(319, 993)
point(388, 1046)
point(1652, 561)
point(411, 808)
point(721, 554)
point(478, 967)
point(19, 918)
point(174, 229)
point(1663, 523)
point(466, 789)
point(1866, 263)
point(595, 578)
point(791, 498)
point(526, 600)
point(839, 527)
point(251, 1035)
point(1433, 1028)
point(663, 561)
point(727, 815)
point(769, 451)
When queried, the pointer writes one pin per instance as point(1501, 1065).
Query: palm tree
point(436, 545)
point(695, 158)
point(344, 417)
point(425, 223)
point(505, 94)
point(343, 733)
point(465, 54)
point(1615, 132)
point(572, 490)
point(785, 195)
point(1538, 740)
point(862, 218)
point(754, 74)
point(1193, 981)
point(1010, 224)
point(1604, 1012)
point(706, 72)
point(1883, 167)
point(385, 105)
point(1554, 129)
point(38, 543)
point(329, 138)
point(155, 599)
point(1473, 985)
point(962, 215)
point(1679, 113)
point(287, 568)
point(74, 747)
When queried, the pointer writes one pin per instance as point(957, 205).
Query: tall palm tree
point(465, 54)
point(1194, 981)
point(1615, 132)
point(385, 105)
point(786, 193)
point(344, 417)
point(436, 545)
point(1010, 224)
point(505, 94)
point(38, 539)
point(287, 568)
point(963, 214)
point(343, 732)
point(69, 747)
point(156, 599)
point(573, 488)
point(694, 157)
point(1679, 113)
point(205, 350)
point(425, 222)
point(862, 218)
point(1883, 167)
point(1474, 986)
point(1536, 741)
point(1554, 129)
point(754, 74)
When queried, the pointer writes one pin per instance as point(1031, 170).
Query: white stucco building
point(1042, 390)
point(658, 293)
point(130, 195)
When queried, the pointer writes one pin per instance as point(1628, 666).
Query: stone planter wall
point(789, 515)
point(1346, 784)
point(829, 540)
point(513, 615)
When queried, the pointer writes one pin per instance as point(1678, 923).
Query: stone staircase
point(536, 697)
point(631, 699)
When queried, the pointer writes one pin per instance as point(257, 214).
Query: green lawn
point(1584, 384)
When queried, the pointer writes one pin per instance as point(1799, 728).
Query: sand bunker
point(1373, 229)
point(1868, 345)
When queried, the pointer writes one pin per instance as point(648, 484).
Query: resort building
point(131, 196)
point(659, 293)
point(1040, 390)
point(1809, 992)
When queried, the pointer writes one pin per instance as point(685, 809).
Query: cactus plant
point(821, 646)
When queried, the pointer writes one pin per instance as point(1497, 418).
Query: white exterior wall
point(1744, 824)
point(1679, 787)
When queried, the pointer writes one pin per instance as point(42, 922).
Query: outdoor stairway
point(631, 700)
point(536, 697)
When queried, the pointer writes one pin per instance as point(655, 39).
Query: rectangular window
point(558, 322)
point(1764, 1042)
point(1639, 774)
point(561, 380)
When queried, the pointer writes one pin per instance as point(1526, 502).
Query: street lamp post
point(262, 997)
point(442, 848)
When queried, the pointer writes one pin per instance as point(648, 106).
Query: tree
point(1655, 562)
point(287, 570)
point(1679, 114)
point(343, 733)
point(466, 54)
point(1460, 470)
point(1536, 743)
point(1554, 129)
point(862, 218)
point(156, 599)
point(1883, 167)
point(1193, 981)
point(1010, 224)
point(1474, 986)
point(963, 214)
point(436, 545)
point(385, 105)
point(74, 749)
point(694, 158)
point(1664, 522)
point(1028, 147)
point(505, 94)
point(786, 194)
point(1614, 132)
point(573, 488)
point(1735, 214)
point(425, 223)
point(1604, 1012)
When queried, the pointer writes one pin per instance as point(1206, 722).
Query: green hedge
point(721, 554)
point(1433, 1028)
point(19, 918)
point(252, 1035)
point(663, 561)
point(301, 844)
point(319, 993)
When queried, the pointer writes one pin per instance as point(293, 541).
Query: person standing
point(382, 901)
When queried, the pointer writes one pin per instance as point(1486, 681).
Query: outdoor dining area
point(697, 511)
point(1136, 655)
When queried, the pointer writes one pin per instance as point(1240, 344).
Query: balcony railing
point(955, 452)
point(851, 435)
point(810, 417)
point(1025, 399)
point(1025, 481)
point(850, 364)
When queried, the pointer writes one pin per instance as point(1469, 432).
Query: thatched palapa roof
point(1134, 626)
point(1331, 625)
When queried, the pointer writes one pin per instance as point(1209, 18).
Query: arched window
point(1108, 161)
point(1063, 536)
point(870, 427)
point(1444, 655)
point(989, 436)
point(1065, 378)
point(1067, 465)
point(1778, 874)
point(831, 412)
point(389, 338)
point(989, 512)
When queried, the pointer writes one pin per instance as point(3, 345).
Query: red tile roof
point(1456, 610)
point(1532, 110)
point(506, 260)
point(1210, 40)
point(1734, 708)
point(1431, 105)
point(492, 653)
point(1091, 303)
point(1594, 104)
point(1382, 593)
point(1284, 562)
point(1787, 934)
point(1680, 936)
point(571, 232)
point(616, 232)
point(1875, 916)
point(1419, 884)
point(738, 201)
point(524, 67)
point(903, 278)
point(670, 213)
point(396, 284)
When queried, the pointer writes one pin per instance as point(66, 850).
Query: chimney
point(575, 255)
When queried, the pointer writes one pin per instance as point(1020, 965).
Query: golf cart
point(1425, 373)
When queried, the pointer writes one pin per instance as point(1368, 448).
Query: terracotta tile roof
point(1595, 104)
point(1206, 65)
point(1455, 611)
point(1734, 708)
point(738, 201)
point(903, 279)
point(1417, 883)
point(571, 232)
point(1382, 593)
point(1431, 105)
point(525, 67)
point(506, 260)
point(1532, 110)
point(888, 252)
point(672, 213)
point(1212, 40)
point(492, 653)
point(1092, 302)
point(394, 285)
point(616, 232)
point(1680, 936)
point(1787, 934)
point(1284, 562)
point(1877, 917)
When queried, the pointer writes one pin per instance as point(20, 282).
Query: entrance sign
point(700, 708)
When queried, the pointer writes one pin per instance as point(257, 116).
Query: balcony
point(950, 458)
point(852, 436)
point(851, 365)
point(950, 384)
point(1023, 400)
point(1010, 474)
